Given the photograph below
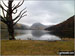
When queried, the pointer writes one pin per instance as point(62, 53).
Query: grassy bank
point(30, 47)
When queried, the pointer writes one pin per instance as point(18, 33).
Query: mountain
point(17, 26)
point(38, 26)
point(21, 26)
point(66, 27)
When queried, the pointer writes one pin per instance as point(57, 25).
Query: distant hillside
point(38, 26)
point(21, 26)
point(17, 26)
point(3, 26)
point(66, 27)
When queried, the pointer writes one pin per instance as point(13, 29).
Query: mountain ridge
point(64, 28)
point(17, 26)
point(38, 26)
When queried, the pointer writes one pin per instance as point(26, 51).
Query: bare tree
point(8, 19)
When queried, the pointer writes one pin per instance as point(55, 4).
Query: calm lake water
point(30, 35)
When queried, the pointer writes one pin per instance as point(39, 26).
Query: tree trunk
point(10, 21)
point(11, 31)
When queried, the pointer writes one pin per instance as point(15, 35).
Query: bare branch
point(2, 19)
point(19, 14)
point(24, 12)
point(13, 6)
point(4, 4)
point(15, 12)
point(3, 13)
point(2, 7)
point(24, 15)
point(18, 5)
point(19, 19)
point(21, 3)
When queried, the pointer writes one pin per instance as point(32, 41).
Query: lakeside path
point(32, 47)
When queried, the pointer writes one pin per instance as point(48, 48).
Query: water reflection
point(30, 35)
point(63, 34)
point(37, 35)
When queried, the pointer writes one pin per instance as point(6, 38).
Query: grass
point(30, 47)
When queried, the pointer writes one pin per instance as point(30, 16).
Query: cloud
point(47, 12)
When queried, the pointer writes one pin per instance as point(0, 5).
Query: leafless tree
point(7, 17)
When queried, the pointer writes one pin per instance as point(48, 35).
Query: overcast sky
point(47, 12)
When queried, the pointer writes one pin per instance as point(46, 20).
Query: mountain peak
point(38, 26)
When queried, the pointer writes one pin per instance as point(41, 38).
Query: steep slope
point(66, 27)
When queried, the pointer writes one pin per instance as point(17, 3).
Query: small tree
point(7, 18)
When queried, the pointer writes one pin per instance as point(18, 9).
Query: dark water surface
point(30, 35)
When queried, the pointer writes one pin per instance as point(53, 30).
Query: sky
point(47, 12)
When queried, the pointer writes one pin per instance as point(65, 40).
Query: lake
point(30, 35)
